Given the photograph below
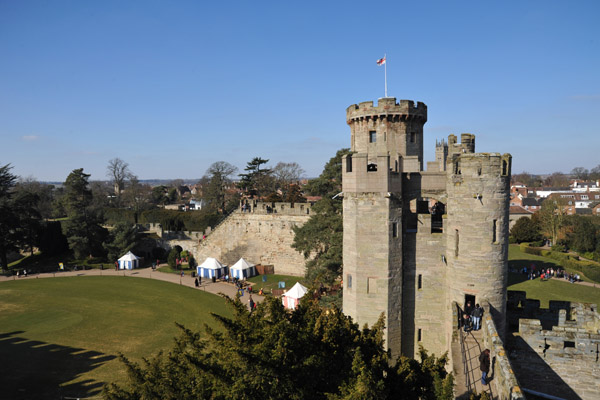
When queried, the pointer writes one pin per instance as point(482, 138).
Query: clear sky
point(173, 86)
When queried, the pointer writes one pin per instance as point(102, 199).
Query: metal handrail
point(463, 350)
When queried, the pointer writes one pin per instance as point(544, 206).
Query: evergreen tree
point(256, 181)
point(526, 230)
point(9, 218)
point(320, 238)
point(121, 239)
point(82, 227)
point(273, 353)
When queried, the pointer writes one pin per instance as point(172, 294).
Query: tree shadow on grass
point(32, 369)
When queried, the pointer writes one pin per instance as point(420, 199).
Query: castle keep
point(416, 241)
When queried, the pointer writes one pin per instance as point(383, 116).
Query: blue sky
point(173, 86)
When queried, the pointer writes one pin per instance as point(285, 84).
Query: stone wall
point(259, 238)
point(505, 383)
point(569, 352)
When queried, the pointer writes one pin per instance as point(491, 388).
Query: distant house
point(515, 213)
point(585, 186)
point(531, 204)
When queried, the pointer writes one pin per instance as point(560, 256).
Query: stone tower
point(418, 242)
point(387, 140)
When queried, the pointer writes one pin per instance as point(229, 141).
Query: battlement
point(387, 107)
point(481, 164)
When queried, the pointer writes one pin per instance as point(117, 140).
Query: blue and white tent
point(242, 269)
point(129, 261)
point(211, 267)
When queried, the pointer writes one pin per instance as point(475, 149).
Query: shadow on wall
point(32, 369)
point(534, 374)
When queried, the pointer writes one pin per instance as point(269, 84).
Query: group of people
point(471, 317)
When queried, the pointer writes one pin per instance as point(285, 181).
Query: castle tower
point(386, 140)
point(441, 154)
point(478, 186)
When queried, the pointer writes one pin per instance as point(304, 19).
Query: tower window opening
point(384, 136)
point(494, 228)
point(419, 335)
point(504, 167)
point(568, 343)
point(456, 168)
point(413, 137)
point(420, 282)
point(396, 166)
point(372, 136)
point(349, 281)
point(395, 229)
point(437, 217)
point(456, 239)
point(371, 167)
point(349, 163)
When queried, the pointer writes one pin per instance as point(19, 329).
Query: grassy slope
point(555, 289)
point(273, 281)
point(66, 331)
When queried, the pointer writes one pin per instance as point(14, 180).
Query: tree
point(118, 171)
point(44, 193)
point(137, 196)
point(287, 174)
point(121, 239)
point(527, 179)
point(257, 182)
point(82, 227)
point(580, 173)
point(294, 194)
point(273, 353)
point(172, 257)
point(584, 236)
point(526, 230)
point(218, 177)
point(595, 173)
point(9, 220)
point(320, 238)
point(551, 217)
point(557, 179)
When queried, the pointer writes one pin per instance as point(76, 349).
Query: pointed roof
point(297, 291)
point(211, 263)
point(129, 257)
point(242, 264)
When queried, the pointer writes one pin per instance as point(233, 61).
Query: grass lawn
point(185, 267)
point(554, 289)
point(60, 336)
point(273, 281)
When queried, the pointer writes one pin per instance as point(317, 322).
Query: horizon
point(170, 88)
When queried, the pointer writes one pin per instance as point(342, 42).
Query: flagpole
point(385, 72)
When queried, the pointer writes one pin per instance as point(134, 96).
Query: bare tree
point(286, 174)
point(118, 171)
point(580, 173)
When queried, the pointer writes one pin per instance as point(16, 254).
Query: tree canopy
point(272, 353)
point(526, 230)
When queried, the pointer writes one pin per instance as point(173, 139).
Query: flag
point(381, 61)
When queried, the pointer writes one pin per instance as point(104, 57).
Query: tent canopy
point(242, 269)
point(211, 263)
point(129, 257)
point(297, 291)
point(242, 264)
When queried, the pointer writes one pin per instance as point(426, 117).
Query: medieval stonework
point(416, 242)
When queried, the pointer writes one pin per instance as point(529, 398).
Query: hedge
point(589, 269)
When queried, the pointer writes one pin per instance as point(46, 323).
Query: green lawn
point(60, 336)
point(272, 282)
point(554, 289)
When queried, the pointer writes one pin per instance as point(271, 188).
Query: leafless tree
point(286, 174)
point(118, 171)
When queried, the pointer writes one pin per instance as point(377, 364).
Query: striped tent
point(129, 261)
point(211, 267)
point(242, 269)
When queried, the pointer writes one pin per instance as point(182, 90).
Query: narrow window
point(568, 344)
point(394, 229)
point(420, 282)
point(494, 227)
point(456, 243)
point(413, 137)
point(372, 136)
point(456, 168)
point(504, 168)
point(349, 163)
point(385, 136)
point(419, 335)
point(349, 281)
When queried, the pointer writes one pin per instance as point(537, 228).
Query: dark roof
point(530, 201)
point(518, 210)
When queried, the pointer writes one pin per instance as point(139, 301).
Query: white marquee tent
point(211, 267)
point(242, 269)
point(129, 261)
point(292, 297)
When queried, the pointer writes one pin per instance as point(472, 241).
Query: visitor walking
point(477, 314)
point(484, 365)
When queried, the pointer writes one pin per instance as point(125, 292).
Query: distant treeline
point(170, 220)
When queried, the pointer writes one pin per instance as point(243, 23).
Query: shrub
point(559, 248)
point(523, 246)
point(533, 250)
point(537, 243)
point(511, 240)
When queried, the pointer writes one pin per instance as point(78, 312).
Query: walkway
point(207, 285)
point(466, 366)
